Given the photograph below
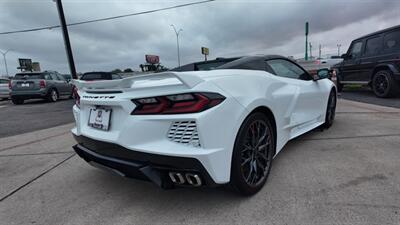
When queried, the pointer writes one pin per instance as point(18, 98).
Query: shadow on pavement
point(365, 94)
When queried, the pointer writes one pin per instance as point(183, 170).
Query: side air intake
point(184, 132)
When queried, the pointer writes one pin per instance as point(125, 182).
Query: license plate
point(25, 85)
point(99, 118)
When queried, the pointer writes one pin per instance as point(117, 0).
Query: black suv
point(373, 59)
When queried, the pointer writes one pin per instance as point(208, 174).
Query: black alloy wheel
point(384, 85)
point(381, 85)
point(53, 96)
point(252, 156)
point(330, 110)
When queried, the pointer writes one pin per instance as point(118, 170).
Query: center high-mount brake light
point(176, 104)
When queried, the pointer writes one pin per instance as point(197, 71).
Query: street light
point(338, 49)
point(177, 43)
point(5, 60)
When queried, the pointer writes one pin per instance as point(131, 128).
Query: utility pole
point(67, 43)
point(319, 52)
point(177, 43)
point(338, 49)
point(310, 51)
point(306, 52)
point(5, 60)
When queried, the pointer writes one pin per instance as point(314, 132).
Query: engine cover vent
point(184, 132)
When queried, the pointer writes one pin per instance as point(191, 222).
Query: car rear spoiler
point(187, 79)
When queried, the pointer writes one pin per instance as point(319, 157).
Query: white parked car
point(4, 89)
point(197, 128)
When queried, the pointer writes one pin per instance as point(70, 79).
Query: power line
point(107, 18)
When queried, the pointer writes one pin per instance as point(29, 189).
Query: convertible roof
point(256, 62)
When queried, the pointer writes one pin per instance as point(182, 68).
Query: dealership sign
point(205, 51)
point(25, 64)
point(152, 59)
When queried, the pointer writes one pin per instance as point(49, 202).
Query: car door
point(308, 101)
point(351, 64)
point(65, 86)
point(57, 83)
point(371, 55)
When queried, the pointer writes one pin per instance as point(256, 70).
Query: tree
point(128, 70)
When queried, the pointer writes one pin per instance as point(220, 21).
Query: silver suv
point(48, 85)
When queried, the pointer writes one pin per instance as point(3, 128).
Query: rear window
point(2, 81)
point(96, 76)
point(29, 76)
point(373, 46)
point(391, 41)
point(210, 66)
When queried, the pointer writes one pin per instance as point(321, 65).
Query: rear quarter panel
point(253, 89)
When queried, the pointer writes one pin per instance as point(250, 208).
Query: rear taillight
point(42, 84)
point(176, 104)
point(9, 84)
point(76, 97)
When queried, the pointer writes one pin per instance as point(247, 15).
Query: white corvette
point(196, 128)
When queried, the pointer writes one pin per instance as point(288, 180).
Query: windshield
point(96, 76)
point(205, 65)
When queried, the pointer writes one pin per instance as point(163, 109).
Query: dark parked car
point(373, 59)
point(48, 85)
point(90, 76)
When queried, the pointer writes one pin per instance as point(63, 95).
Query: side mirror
point(321, 74)
point(346, 56)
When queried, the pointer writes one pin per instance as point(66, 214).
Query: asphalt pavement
point(364, 94)
point(33, 115)
point(348, 174)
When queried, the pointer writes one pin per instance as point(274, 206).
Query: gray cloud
point(228, 28)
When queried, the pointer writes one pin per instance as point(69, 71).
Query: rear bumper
point(28, 94)
point(139, 165)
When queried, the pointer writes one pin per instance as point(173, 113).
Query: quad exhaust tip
point(190, 178)
point(193, 179)
point(176, 178)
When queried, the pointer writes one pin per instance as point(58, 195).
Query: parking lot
point(364, 94)
point(33, 115)
point(345, 175)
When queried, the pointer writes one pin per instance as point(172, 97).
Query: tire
point(52, 96)
point(383, 84)
point(339, 85)
point(330, 110)
point(250, 166)
point(17, 101)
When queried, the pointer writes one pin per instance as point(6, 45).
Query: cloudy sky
point(227, 27)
